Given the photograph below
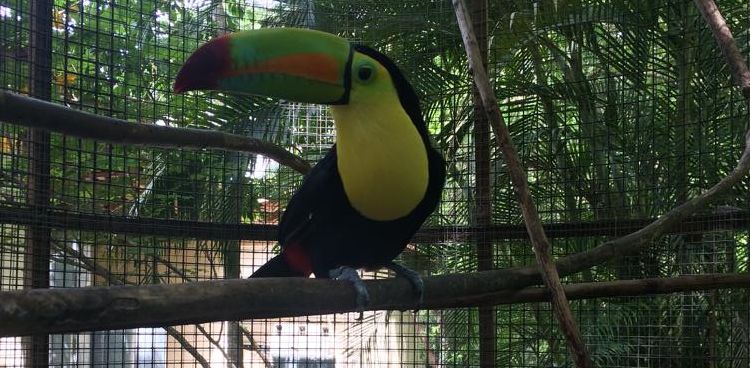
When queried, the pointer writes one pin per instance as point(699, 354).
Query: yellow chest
point(382, 160)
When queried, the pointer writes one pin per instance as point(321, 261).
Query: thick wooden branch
point(20, 314)
point(68, 310)
point(723, 35)
point(538, 238)
point(33, 113)
point(43, 311)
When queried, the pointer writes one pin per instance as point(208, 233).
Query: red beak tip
point(204, 67)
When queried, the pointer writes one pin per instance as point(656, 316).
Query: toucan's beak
point(290, 63)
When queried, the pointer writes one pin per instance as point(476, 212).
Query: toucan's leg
point(412, 276)
point(351, 275)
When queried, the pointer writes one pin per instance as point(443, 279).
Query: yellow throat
point(382, 159)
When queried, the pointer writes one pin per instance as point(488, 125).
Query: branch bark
point(723, 35)
point(539, 240)
point(70, 310)
point(33, 113)
point(46, 311)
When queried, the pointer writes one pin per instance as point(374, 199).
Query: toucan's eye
point(365, 73)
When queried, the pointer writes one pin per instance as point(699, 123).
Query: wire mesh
point(619, 109)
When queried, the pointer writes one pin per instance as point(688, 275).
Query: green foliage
point(619, 109)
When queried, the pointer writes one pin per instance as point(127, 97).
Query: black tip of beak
point(204, 67)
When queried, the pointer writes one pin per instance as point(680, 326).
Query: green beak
point(290, 63)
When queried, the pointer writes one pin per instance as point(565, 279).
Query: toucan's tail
point(276, 267)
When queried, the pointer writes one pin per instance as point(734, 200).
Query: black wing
point(313, 193)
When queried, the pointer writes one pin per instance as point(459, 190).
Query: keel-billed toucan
point(362, 203)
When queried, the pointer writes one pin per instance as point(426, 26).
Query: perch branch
point(69, 310)
point(538, 238)
point(33, 113)
point(45, 311)
point(723, 36)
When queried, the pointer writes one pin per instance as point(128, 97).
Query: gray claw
point(349, 274)
point(412, 276)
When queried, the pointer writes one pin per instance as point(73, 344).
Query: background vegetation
point(620, 110)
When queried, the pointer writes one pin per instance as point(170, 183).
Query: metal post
point(231, 252)
point(37, 257)
point(483, 195)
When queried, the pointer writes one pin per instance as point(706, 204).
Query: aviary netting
point(620, 112)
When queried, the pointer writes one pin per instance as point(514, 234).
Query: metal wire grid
point(98, 178)
point(622, 164)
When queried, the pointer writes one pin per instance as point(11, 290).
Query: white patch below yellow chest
point(382, 160)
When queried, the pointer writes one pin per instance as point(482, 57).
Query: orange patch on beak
point(317, 67)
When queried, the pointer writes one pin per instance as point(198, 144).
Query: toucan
point(361, 204)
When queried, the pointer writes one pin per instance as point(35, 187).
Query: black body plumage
point(319, 222)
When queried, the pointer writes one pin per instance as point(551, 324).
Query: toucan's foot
point(412, 276)
point(351, 275)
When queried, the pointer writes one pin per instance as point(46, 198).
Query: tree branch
point(723, 36)
point(637, 241)
point(70, 310)
point(255, 347)
point(45, 311)
point(539, 240)
point(216, 345)
point(180, 338)
point(33, 113)
point(652, 286)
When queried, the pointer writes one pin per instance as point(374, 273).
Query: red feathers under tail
point(277, 267)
